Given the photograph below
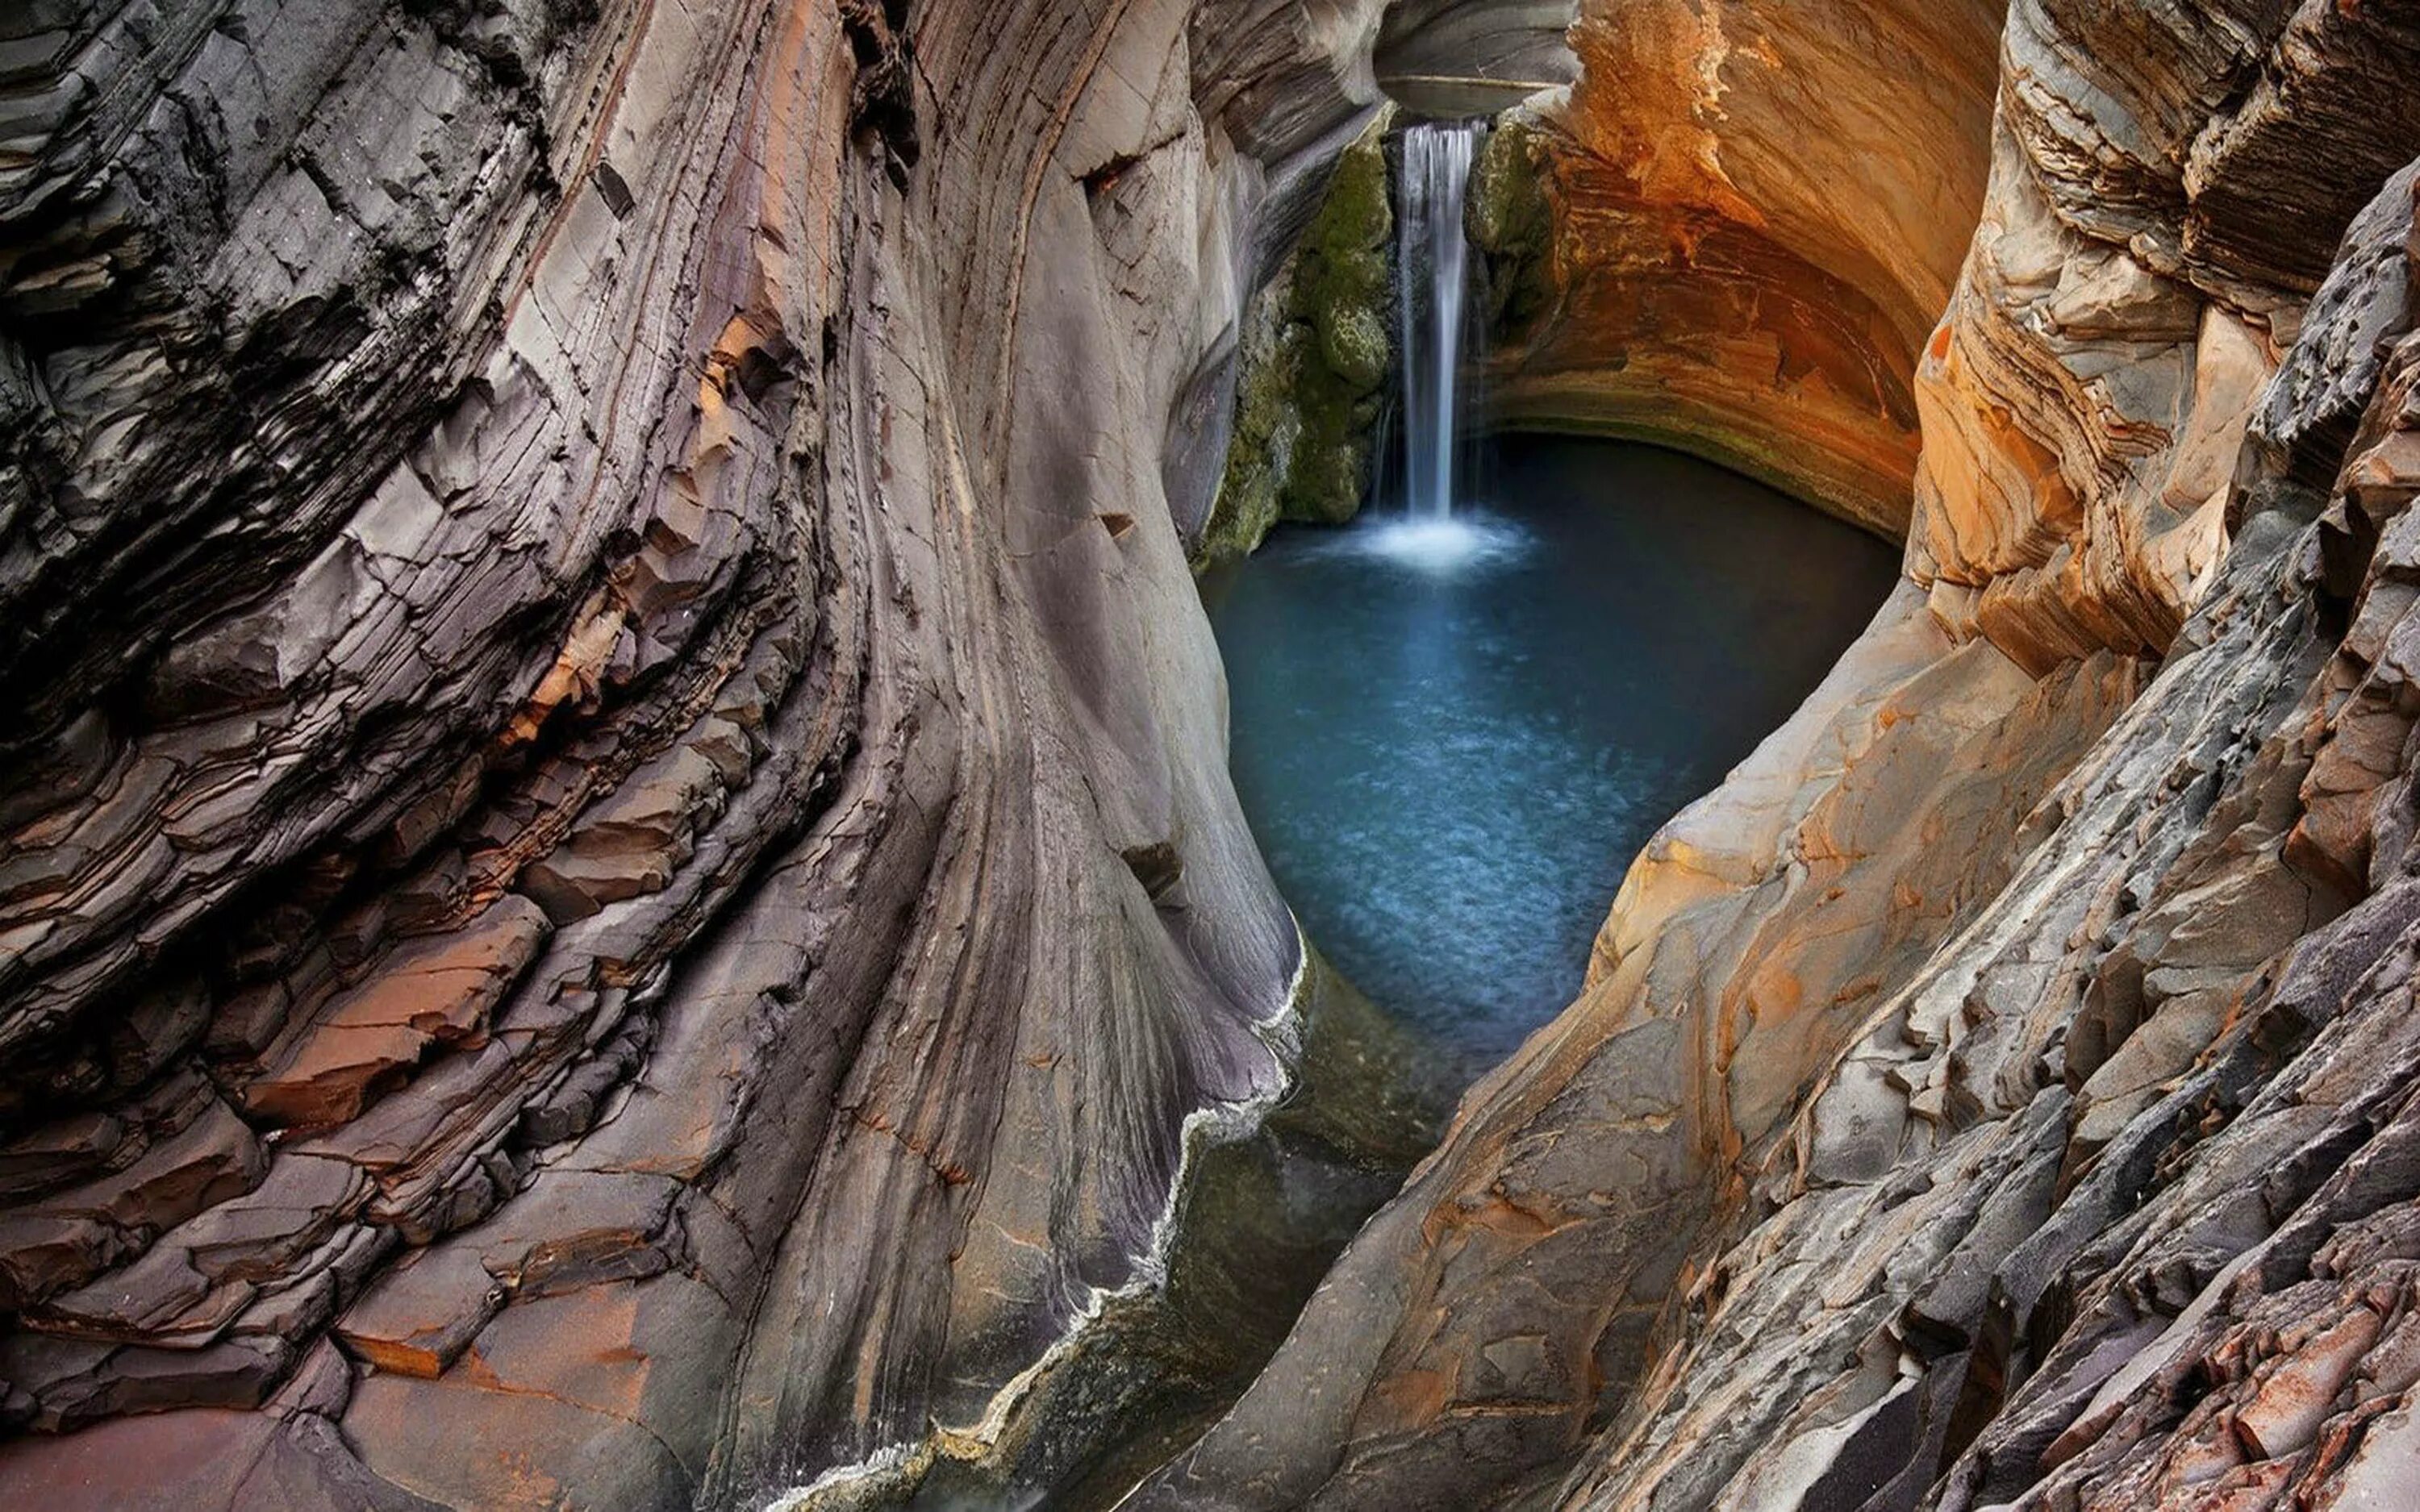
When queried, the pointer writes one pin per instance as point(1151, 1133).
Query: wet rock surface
point(1315, 359)
point(617, 886)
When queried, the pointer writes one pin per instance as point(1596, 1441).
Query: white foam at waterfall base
point(1439, 545)
point(1435, 534)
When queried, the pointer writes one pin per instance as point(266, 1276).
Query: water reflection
point(1451, 747)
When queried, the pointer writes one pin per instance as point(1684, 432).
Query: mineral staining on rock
point(594, 620)
point(1994, 1094)
point(1756, 213)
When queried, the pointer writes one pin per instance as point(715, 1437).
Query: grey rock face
point(593, 631)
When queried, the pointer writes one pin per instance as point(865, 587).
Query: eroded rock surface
point(618, 881)
point(618, 884)
point(1994, 1094)
point(1753, 215)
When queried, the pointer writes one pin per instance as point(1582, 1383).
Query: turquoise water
point(1451, 738)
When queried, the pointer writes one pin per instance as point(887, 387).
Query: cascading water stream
point(1436, 159)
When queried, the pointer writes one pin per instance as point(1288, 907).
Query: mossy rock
point(1267, 426)
point(1316, 352)
point(1339, 281)
point(1356, 214)
point(1510, 222)
point(1340, 297)
point(1355, 345)
point(1329, 480)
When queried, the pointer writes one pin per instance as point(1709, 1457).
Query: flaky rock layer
point(618, 886)
point(618, 883)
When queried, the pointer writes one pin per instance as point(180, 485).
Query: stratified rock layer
point(1452, 59)
point(618, 879)
point(1995, 1093)
point(618, 886)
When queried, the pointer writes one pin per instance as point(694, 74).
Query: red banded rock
point(616, 496)
point(423, 1313)
point(2332, 72)
point(2074, 457)
point(1753, 214)
point(1943, 1186)
point(424, 996)
point(2242, 1157)
point(2089, 385)
point(285, 1453)
point(634, 839)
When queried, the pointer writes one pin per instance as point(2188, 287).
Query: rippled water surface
point(1452, 737)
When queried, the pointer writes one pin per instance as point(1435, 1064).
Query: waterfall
point(1431, 324)
point(1427, 227)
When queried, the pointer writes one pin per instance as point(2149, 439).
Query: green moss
point(1260, 449)
point(1340, 294)
point(1328, 480)
point(1354, 346)
point(1511, 224)
point(1316, 353)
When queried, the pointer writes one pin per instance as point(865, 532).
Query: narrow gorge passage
point(1451, 757)
point(634, 878)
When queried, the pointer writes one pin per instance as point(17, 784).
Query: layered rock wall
point(618, 881)
point(619, 887)
point(1757, 212)
point(1474, 57)
point(1992, 1095)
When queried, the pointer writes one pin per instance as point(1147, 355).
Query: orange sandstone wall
point(1757, 213)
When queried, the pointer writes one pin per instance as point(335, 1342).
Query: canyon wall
point(619, 887)
point(1750, 217)
point(1998, 1094)
point(1472, 57)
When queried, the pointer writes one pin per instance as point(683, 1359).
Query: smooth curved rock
point(619, 880)
point(1758, 210)
point(619, 888)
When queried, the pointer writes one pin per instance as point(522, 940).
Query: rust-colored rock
point(371, 1036)
point(1756, 212)
point(1993, 1095)
point(617, 886)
